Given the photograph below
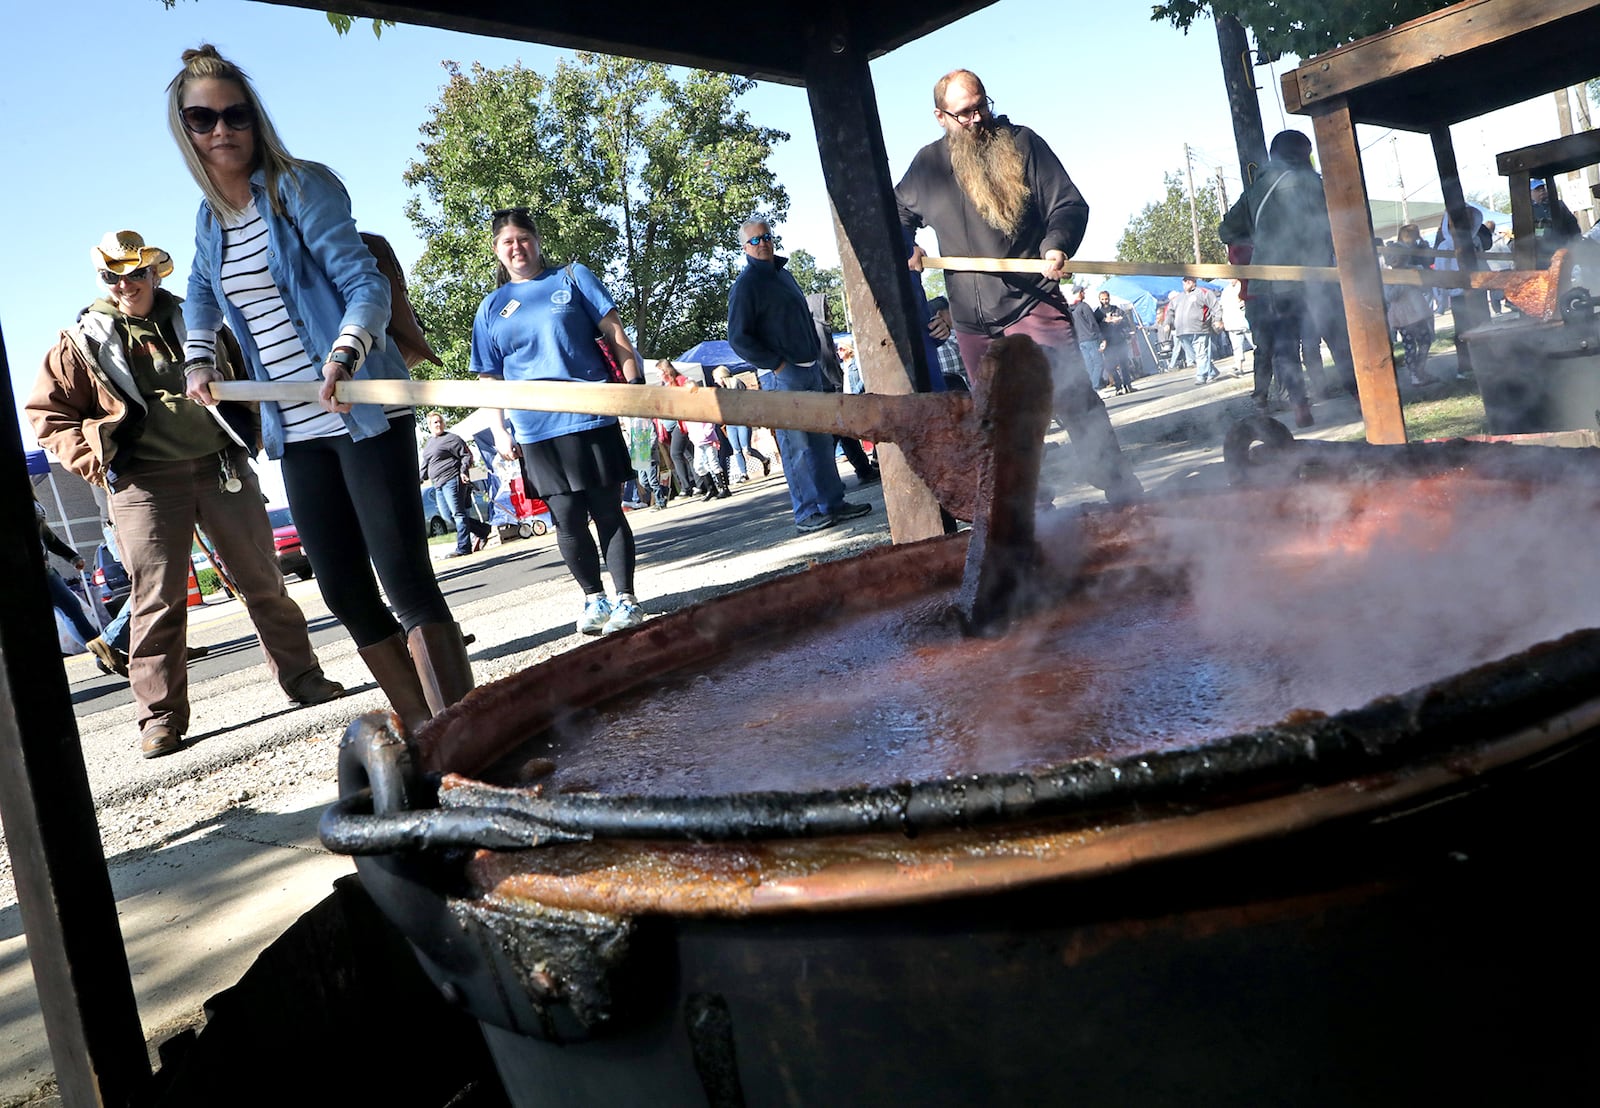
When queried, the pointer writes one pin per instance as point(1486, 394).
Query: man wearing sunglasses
point(993, 189)
point(770, 326)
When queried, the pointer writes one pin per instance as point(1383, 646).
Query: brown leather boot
point(390, 663)
point(440, 655)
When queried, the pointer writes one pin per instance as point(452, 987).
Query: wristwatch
point(344, 357)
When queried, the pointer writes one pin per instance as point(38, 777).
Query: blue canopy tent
point(1144, 294)
point(711, 353)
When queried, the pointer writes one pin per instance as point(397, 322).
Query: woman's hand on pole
point(332, 374)
point(197, 383)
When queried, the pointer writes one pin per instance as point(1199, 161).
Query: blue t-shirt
point(544, 330)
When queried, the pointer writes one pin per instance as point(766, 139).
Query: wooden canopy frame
point(1454, 64)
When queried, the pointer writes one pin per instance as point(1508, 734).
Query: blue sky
point(83, 127)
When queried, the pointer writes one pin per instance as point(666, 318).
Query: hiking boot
point(596, 613)
point(107, 657)
point(847, 510)
point(314, 688)
point(158, 739)
point(1302, 414)
point(818, 522)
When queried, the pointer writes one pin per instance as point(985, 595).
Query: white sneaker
point(595, 614)
point(625, 615)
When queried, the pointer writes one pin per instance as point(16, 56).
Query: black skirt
point(592, 459)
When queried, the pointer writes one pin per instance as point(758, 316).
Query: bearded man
point(993, 189)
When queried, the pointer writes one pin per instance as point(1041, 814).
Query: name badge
point(511, 306)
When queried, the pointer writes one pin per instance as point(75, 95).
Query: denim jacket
point(326, 275)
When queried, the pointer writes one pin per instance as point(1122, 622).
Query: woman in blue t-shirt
point(541, 325)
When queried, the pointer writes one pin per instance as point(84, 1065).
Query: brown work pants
point(155, 507)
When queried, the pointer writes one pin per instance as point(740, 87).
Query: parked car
point(438, 517)
point(440, 521)
point(286, 540)
point(109, 580)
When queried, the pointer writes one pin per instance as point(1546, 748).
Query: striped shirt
point(248, 286)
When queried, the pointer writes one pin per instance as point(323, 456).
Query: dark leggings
point(682, 451)
point(357, 508)
point(572, 512)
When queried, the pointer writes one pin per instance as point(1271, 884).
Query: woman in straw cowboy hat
point(278, 258)
point(109, 403)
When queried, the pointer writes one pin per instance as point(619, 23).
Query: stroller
point(533, 515)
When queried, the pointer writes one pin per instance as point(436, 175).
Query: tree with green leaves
point(1162, 232)
point(1300, 27)
point(640, 173)
point(829, 282)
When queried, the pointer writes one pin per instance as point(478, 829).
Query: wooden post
point(1471, 308)
point(872, 251)
point(1351, 222)
point(63, 889)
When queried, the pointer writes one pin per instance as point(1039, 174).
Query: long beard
point(988, 166)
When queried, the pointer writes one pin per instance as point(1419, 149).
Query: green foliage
point(209, 581)
point(1300, 27)
point(1162, 232)
point(343, 23)
point(642, 175)
point(829, 282)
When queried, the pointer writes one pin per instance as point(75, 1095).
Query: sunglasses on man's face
point(109, 279)
point(202, 121)
point(759, 239)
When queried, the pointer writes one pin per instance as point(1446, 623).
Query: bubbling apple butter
point(1226, 615)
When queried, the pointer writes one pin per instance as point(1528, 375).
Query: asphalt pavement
point(213, 851)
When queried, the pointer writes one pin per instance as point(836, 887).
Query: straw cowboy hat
point(125, 251)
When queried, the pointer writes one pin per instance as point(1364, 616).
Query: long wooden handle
point(1427, 278)
point(876, 417)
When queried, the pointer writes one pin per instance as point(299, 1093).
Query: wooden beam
point(1350, 220)
point(872, 253)
point(1415, 46)
point(1559, 155)
point(1408, 276)
point(1468, 310)
point(63, 890)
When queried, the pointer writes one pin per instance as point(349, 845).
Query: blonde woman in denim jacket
point(278, 258)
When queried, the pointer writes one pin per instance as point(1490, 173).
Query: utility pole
point(1405, 213)
point(1194, 216)
point(1222, 192)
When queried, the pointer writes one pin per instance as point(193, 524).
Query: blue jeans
point(116, 632)
point(808, 465)
point(454, 495)
point(1093, 362)
point(66, 602)
point(739, 441)
point(1198, 348)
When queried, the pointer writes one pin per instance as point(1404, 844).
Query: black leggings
point(572, 512)
point(357, 508)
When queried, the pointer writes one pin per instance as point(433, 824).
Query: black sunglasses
point(759, 239)
point(202, 121)
point(502, 213)
point(108, 278)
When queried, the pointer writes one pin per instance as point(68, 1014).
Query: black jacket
point(984, 303)
point(768, 320)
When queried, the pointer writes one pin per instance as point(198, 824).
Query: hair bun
point(204, 50)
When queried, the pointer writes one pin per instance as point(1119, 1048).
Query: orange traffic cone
point(195, 599)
